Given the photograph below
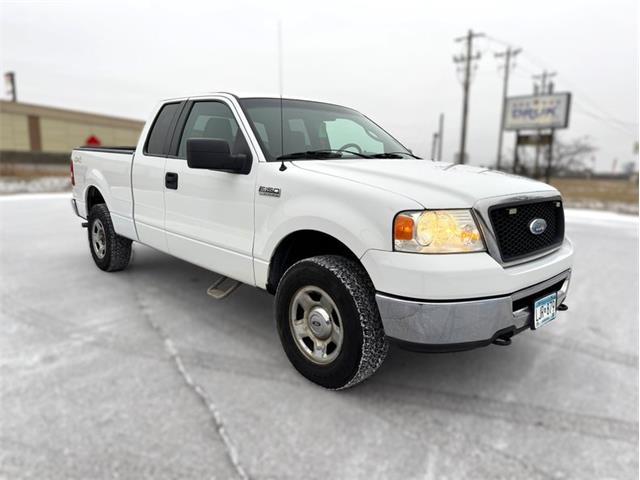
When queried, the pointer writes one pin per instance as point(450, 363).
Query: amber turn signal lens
point(403, 228)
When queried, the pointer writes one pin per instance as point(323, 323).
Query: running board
point(217, 292)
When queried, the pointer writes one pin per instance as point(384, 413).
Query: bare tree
point(568, 156)
point(572, 155)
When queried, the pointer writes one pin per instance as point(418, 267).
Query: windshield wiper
point(394, 155)
point(321, 154)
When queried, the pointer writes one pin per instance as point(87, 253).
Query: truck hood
point(432, 184)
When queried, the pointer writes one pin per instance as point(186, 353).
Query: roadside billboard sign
point(537, 112)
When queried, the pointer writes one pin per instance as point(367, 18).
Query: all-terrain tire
point(364, 344)
point(110, 251)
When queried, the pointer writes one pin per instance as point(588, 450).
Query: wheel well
point(299, 245)
point(94, 197)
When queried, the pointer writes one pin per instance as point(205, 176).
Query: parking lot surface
point(139, 374)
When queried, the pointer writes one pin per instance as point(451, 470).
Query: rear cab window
point(159, 136)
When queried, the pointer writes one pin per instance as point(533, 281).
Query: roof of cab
point(240, 95)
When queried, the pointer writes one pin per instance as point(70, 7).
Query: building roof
point(21, 108)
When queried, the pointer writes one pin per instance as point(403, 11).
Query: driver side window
point(212, 119)
point(342, 131)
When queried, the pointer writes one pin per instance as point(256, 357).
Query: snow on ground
point(585, 215)
point(620, 207)
point(140, 374)
point(9, 185)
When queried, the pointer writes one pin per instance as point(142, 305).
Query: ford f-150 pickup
point(360, 241)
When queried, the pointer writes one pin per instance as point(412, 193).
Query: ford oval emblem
point(538, 226)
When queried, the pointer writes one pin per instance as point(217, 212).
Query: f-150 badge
point(269, 191)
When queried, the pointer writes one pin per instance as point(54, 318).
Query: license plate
point(544, 310)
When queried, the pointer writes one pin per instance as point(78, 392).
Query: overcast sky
point(391, 60)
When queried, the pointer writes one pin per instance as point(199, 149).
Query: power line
point(585, 97)
point(491, 38)
point(620, 125)
point(606, 121)
point(614, 122)
point(466, 58)
point(537, 61)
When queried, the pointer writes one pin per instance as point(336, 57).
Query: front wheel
point(110, 251)
point(328, 321)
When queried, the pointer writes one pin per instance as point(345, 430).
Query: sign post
point(547, 176)
point(515, 153)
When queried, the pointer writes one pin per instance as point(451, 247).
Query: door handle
point(171, 180)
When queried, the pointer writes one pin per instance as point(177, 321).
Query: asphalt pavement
point(139, 374)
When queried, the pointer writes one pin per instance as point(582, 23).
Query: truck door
point(148, 177)
point(209, 214)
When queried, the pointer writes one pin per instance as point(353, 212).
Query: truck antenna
point(283, 167)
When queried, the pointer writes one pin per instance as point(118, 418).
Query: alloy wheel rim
point(316, 325)
point(98, 239)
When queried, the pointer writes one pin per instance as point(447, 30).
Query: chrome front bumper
point(459, 325)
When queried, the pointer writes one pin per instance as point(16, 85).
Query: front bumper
point(460, 325)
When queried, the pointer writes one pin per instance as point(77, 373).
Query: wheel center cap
point(320, 323)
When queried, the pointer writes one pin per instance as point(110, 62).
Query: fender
point(359, 216)
point(297, 224)
point(94, 178)
point(331, 227)
point(118, 203)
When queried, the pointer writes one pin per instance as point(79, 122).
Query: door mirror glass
point(215, 154)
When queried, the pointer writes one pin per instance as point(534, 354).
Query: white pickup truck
point(361, 242)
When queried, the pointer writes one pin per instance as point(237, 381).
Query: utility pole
point(10, 85)
point(544, 76)
point(466, 58)
point(509, 54)
point(440, 136)
point(543, 88)
point(434, 146)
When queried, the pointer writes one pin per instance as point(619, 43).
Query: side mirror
point(214, 154)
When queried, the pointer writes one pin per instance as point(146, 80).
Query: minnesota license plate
point(544, 310)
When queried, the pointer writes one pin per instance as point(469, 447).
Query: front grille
point(511, 227)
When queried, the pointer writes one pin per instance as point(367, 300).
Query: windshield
point(317, 130)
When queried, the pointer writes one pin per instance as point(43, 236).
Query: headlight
point(437, 231)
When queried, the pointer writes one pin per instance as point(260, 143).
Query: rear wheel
point(328, 321)
point(110, 251)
